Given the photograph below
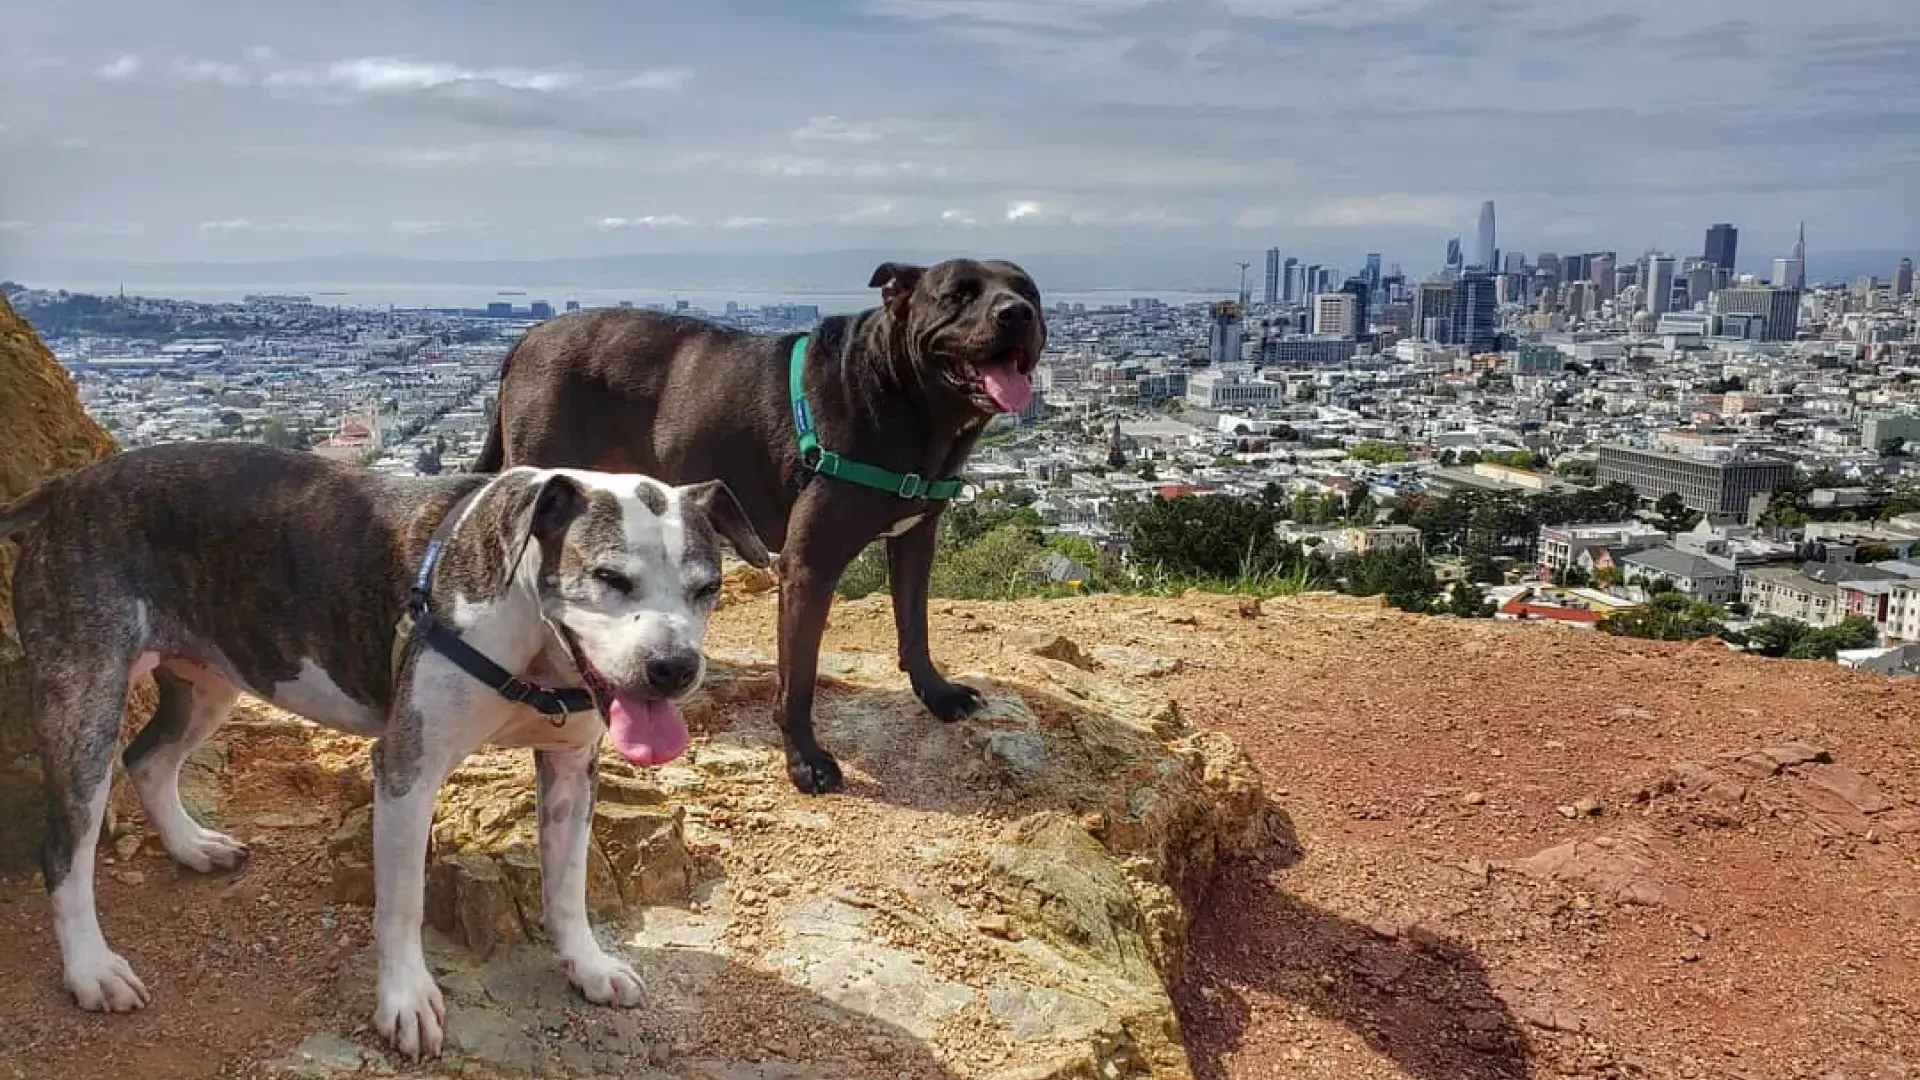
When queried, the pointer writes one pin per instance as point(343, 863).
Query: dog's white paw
point(206, 851)
point(103, 982)
point(604, 980)
point(411, 1014)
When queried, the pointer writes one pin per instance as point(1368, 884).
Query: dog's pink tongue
point(1007, 386)
point(646, 731)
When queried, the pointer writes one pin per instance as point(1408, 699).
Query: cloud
point(1020, 211)
point(242, 225)
point(125, 66)
point(1373, 211)
point(15, 226)
point(649, 221)
point(432, 228)
point(213, 71)
point(671, 78)
point(958, 217)
point(747, 223)
point(567, 99)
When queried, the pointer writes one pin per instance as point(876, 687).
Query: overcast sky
point(240, 129)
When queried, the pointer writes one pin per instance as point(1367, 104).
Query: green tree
point(997, 566)
point(866, 574)
point(1667, 617)
point(1148, 472)
point(1674, 515)
point(1854, 632)
point(1403, 575)
point(274, 433)
point(1873, 553)
point(1207, 538)
point(1469, 601)
point(1376, 452)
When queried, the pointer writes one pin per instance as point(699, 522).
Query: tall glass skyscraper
point(1722, 241)
point(1485, 254)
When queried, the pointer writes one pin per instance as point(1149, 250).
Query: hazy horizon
point(228, 131)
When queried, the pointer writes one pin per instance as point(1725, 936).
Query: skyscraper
point(1272, 295)
point(1903, 279)
point(1602, 267)
point(1779, 306)
point(1453, 251)
point(1433, 311)
point(1333, 313)
point(1361, 293)
point(1309, 282)
point(1476, 323)
point(1485, 255)
point(1287, 271)
point(1223, 345)
point(1373, 270)
point(1722, 241)
point(1787, 273)
point(1659, 284)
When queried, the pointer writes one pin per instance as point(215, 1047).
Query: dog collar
point(553, 702)
point(827, 463)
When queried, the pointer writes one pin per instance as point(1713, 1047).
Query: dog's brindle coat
point(686, 400)
point(224, 567)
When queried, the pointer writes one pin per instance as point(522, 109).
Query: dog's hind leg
point(193, 703)
point(78, 712)
point(565, 782)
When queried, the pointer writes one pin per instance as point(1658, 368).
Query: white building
point(1335, 313)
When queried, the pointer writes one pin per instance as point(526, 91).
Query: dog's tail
point(24, 511)
point(493, 452)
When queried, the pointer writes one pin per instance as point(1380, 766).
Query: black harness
point(420, 622)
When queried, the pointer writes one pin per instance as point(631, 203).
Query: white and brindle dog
point(400, 609)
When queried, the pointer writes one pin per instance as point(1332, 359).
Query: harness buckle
point(911, 486)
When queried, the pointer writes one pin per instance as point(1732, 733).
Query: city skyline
point(459, 131)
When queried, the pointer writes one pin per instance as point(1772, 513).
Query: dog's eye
point(615, 580)
point(966, 292)
point(707, 592)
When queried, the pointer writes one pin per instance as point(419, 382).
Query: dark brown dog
point(906, 387)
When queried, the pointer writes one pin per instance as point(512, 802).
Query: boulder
point(46, 433)
point(1004, 898)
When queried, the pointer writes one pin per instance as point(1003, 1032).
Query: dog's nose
point(673, 673)
point(1017, 315)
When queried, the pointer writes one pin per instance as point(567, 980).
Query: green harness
point(827, 463)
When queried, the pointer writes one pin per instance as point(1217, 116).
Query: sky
point(261, 129)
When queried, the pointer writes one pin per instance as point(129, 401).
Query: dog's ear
point(544, 516)
point(560, 501)
point(716, 501)
point(895, 282)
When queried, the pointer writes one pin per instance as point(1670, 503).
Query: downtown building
point(1779, 307)
point(1718, 481)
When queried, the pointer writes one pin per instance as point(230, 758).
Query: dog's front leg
point(565, 781)
point(410, 762)
point(909, 569)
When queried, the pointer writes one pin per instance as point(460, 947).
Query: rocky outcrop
point(1007, 897)
point(45, 433)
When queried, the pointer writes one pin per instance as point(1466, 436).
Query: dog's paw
point(103, 982)
point(816, 773)
point(950, 701)
point(604, 980)
point(207, 851)
point(411, 1015)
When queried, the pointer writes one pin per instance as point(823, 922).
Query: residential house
point(1562, 545)
point(1784, 592)
point(1712, 581)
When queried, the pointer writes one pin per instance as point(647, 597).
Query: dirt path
point(1729, 919)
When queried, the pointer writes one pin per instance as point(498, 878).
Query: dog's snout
point(673, 673)
point(1015, 315)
